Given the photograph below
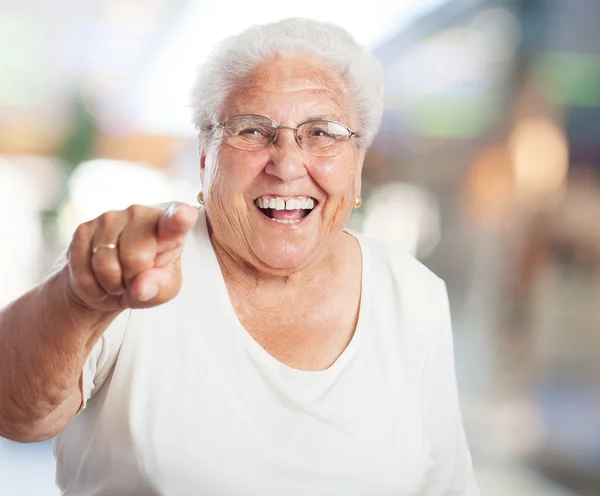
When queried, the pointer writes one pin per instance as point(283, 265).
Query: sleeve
point(452, 471)
point(103, 357)
point(104, 354)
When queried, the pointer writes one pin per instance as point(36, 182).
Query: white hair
point(238, 56)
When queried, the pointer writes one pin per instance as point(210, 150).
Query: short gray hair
point(236, 57)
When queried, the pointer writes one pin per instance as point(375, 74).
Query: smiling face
point(246, 190)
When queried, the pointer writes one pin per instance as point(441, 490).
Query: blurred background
point(487, 168)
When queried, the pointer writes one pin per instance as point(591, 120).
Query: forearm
point(45, 339)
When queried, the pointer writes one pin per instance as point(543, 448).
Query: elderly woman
point(251, 346)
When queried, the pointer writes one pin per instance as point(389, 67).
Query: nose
point(287, 159)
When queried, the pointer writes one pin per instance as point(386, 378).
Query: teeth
point(286, 221)
point(290, 204)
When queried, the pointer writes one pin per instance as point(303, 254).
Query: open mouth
point(286, 210)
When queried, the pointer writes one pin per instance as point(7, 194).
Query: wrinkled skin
point(295, 288)
point(289, 91)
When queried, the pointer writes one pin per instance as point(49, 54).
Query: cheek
point(336, 178)
point(329, 170)
point(234, 171)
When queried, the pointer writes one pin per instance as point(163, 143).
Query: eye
point(252, 131)
point(320, 133)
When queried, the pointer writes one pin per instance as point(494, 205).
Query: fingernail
point(172, 210)
point(149, 292)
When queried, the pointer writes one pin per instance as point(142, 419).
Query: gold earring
point(357, 201)
point(200, 198)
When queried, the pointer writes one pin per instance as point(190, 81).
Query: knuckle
point(81, 237)
point(109, 218)
point(82, 232)
point(136, 210)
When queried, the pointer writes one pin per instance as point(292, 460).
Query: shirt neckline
point(253, 346)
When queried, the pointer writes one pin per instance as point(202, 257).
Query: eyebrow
point(324, 117)
point(318, 117)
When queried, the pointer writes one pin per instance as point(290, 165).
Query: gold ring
point(109, 246)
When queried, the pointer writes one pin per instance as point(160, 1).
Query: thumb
point(155, 286)
point(174, 224)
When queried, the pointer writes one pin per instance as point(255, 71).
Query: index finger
point(174, 224)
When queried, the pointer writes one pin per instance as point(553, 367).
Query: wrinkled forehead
point(287, 80)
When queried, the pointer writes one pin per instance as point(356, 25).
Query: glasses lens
point(322, 138)
point(249, 132)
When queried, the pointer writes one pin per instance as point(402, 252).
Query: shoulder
point(406, 294)
point(403, 270)
point(407, 300)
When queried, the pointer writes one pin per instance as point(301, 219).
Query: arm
point(45, 339)
point(47, 334)
point(452, 470)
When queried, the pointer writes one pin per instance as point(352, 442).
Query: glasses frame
point(351, 134)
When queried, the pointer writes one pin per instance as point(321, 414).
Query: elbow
point(20, 433)
point(24, 436)
point(21, 430)
point(36, 424)
point(33, 433)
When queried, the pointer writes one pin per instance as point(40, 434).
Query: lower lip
point(296, 223)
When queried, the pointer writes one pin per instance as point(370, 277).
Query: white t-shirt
point(180, 400)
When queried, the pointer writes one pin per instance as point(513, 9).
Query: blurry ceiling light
point(500, 33)
point(488, 193)
point(405, 216)
point(539, 152)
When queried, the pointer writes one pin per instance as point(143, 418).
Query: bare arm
point(47, 334)
point(44, 342)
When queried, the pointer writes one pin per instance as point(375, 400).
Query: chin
point(286, 257)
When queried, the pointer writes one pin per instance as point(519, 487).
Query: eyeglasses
point(319, 138)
